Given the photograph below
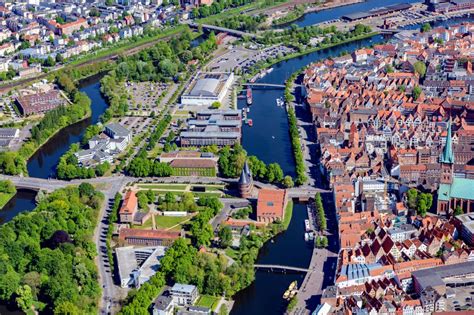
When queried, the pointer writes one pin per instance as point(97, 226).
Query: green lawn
point(165, 222)
point(288, 214)
point(163, 186)
point(208, 301)
point(5, 198)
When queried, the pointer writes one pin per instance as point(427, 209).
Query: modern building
point(213, 127)
point(147, 237)
point(208, 88)
point(137, 265)
point(129, 207)
point(271, 204)
point(39, 103)
point(467, 227)
point(439, 277)
point(103, 147)
point(184, 294)
point(453, 191)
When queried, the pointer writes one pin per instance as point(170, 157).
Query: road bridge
point(49, 184)
point(223, 30)
point(281, 268)
point(269, 85)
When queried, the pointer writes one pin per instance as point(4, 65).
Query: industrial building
point(207, 88)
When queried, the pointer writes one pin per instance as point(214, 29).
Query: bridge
point(304, 192)
point(281, 268)
point(388, 31)
point(34, 183)
point(270, 85)
point(223, 29)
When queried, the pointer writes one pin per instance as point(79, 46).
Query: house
point(163, 305)
point(271, 204)
point(184, 294)
point(129, 207)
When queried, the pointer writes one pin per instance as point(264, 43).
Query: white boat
point(306, 237)
point(248, 109)
point(270, 70)
point(307, 225)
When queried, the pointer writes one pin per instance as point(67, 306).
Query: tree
point(274, 173)
point(458, 210)
point(216, 105)
point(417, 92)
point(142, 200)
point(420, 68)
point(24, 298)
point(412, 198)
point(86, 190)
point(288, 181)
point(426, 27)
point(225, 236)
point(421, 207)
point(223, 310)
point(292, 304)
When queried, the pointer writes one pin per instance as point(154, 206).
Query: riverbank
point(267, 65)
point(7, 192)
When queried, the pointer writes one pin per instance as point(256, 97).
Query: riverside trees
point(36, 272)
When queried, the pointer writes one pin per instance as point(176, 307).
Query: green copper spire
point(448, 156)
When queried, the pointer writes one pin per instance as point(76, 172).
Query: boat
point(291, 291)
point(249, 96)
point(250, 122)
point(248, 109)
point(270, 70)
point(307, 225)
point(306, 237)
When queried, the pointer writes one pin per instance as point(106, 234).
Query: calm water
point(24, 200)
point(336, 13)
point(43, 163)
point(269, 140)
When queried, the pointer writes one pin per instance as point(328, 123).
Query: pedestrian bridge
point(264, 85)
point(280, 268)
point(223, 29)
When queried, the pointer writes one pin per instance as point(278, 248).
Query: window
point(270, 203)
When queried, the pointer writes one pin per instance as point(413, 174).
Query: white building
point(208, 88)
point(184, 294)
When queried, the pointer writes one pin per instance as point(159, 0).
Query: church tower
point(447, 159)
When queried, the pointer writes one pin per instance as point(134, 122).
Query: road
point(110, 299)
point(229, 205)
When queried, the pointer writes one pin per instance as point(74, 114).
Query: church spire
point(448, 157)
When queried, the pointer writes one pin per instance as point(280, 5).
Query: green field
point(288, 214)
point(5, 198)
point(166, 222)
point(208, 301)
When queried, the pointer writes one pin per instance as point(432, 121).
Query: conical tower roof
point(245, 176)
point(448, 155)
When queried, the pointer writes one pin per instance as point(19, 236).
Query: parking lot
point(135, 124)
point(145, 96)
point(462, 300)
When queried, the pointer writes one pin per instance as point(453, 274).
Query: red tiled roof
point(271, 202)
point(129, 204)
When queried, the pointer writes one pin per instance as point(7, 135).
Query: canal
point(43, 163)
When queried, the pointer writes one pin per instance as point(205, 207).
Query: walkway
point(280, 268)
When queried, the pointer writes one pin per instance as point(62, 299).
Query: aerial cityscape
point(236, 157)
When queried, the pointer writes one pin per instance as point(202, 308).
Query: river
point(43, 163)
point(336, 13)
